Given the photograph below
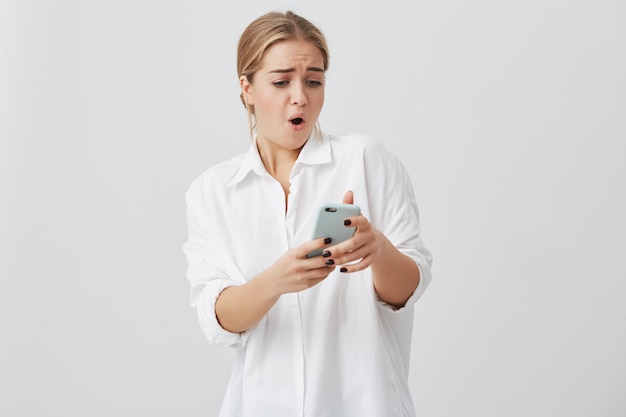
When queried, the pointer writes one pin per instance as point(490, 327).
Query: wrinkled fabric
point(331, 350)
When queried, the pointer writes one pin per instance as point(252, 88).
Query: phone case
point(329, 223)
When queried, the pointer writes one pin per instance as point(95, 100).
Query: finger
point(357, 266)
point(315, 245)
point(318, 264)
point(317, 273)
point(348, 198)
point(346, 254)
point(360, 222)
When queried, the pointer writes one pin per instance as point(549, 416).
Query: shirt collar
point(316, 151)
point(251, 162)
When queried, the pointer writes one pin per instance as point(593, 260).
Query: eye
point(280, 83)
point(314, 83)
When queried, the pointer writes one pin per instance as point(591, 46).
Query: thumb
point(348, 198)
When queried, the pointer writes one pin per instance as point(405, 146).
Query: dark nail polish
point(326, 254)
point(347, 222)
point(327, 240)
point(330, 262)
point(344, 269)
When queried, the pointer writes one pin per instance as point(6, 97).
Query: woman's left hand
point(365, 246)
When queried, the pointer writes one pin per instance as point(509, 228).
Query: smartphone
point(329, 223)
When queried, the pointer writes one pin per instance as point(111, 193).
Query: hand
point(240, 307)
point(366, 245)
point(294, 272)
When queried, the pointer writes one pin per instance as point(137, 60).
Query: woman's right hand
point(294, 272)
point(240, 307)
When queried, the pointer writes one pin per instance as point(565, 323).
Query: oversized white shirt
point(334, 349)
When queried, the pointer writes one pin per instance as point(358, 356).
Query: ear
point(246, 90)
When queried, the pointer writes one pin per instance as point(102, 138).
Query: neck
point(277, 161)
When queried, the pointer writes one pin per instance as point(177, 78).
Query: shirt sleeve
point(394, 211)
point(206, 272)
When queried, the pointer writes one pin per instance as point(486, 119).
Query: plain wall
point(510, 117)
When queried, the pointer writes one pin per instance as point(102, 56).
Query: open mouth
point(297, 120)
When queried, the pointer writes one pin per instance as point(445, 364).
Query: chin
point(297, 137)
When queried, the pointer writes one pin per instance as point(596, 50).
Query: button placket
point(294, 299)
point(298, 349)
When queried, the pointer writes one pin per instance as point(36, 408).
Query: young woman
point(322, 336)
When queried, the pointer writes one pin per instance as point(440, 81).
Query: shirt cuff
point(207, 318)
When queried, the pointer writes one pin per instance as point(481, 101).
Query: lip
point(296, 127)
point(295, 116)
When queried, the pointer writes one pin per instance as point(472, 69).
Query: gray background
point(510, 117)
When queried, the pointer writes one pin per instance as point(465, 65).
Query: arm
point(400, 263)
point(238, 308)
point(395, 275)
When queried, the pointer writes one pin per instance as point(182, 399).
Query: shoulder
point(371, 150)
point(216, 176)
point(354, 141)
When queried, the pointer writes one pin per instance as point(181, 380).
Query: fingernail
point(347, 222)
point(326, 254)
point(327, 240)
point(344, 270)
point(330, 262)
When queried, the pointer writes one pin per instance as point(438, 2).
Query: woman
point(321, 336)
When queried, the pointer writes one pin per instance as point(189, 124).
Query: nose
point(298, 96)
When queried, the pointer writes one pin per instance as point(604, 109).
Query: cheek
point(265, 103)
point(319, 100)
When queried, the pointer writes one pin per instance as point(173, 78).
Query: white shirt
point(334, 349)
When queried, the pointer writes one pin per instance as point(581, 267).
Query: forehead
point(289, 53)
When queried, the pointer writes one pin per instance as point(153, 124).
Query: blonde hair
point(266, 31)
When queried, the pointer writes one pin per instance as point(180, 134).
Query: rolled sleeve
point(207, 276)
point(207, 319)
point(395, 212)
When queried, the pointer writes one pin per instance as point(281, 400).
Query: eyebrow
point(288, 70)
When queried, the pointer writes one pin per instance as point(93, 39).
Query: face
point(287, 93)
